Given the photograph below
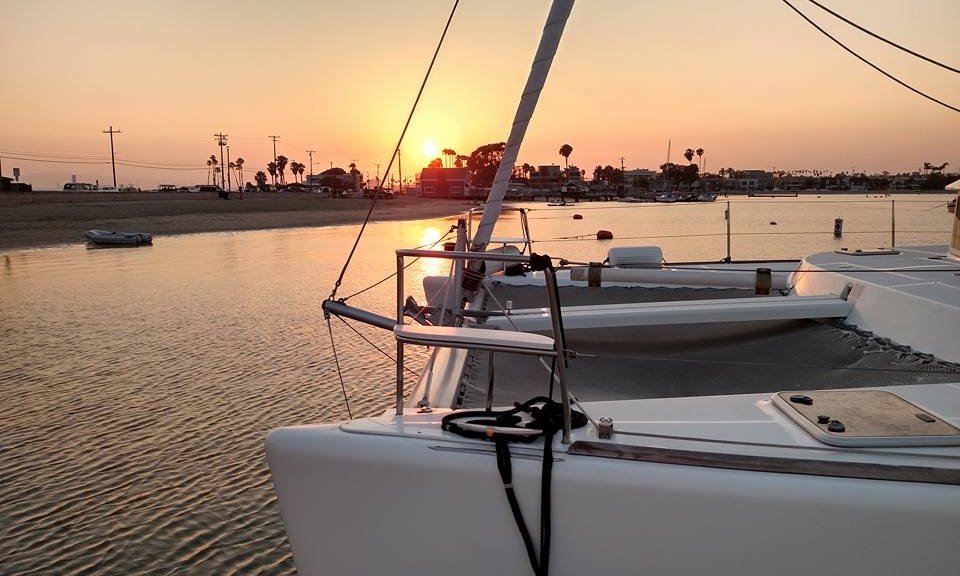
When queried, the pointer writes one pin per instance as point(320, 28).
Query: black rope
point(506, 475)
point(867, 62)
point(396, 151)
point(882, 39)
point(548, 419)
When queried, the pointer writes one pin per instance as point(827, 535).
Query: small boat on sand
point(106, 237)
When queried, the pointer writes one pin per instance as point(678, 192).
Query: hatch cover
point(865, 418)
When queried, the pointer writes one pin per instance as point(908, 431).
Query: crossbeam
point(680, 312)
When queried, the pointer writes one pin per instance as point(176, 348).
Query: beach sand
point(33, 225)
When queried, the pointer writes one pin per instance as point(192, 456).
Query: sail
point(549, 41)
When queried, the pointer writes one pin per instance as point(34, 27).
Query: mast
point(549, 41)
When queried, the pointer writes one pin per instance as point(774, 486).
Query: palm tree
point(239, 165)
point(527, 170)
point(448, 156)
point(272, 169)
point(688, 154)
point(281, 166)
point(297, 169)
point(565, 151)
point(212, 165)
point(260, 178)
point(700, 158)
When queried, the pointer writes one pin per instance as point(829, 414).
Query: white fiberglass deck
point(911, 297)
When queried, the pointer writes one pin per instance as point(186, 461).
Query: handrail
point(454, 255)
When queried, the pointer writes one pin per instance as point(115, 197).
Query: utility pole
point(113, 160)
point(229, 179)
point(310, 152)
point(274, 138)
point(221, 141)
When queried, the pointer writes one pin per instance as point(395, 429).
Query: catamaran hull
point(383, 496)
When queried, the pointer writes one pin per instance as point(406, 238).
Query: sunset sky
point(749, 81)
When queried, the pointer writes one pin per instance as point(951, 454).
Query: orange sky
point(748, 81)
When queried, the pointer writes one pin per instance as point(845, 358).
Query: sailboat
point(632, 417)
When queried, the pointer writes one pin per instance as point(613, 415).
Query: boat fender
point(578, 217)
point(604, 235)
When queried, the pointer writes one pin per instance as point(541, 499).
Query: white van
point(78, 186)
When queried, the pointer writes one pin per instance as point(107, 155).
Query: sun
point(430, 149)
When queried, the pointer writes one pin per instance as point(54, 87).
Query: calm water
point(138, 384)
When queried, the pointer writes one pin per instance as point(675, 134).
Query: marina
point(689, 305)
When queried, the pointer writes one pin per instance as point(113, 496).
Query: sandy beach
point(33, 225)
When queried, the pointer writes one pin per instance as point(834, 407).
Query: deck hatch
point(865, 418)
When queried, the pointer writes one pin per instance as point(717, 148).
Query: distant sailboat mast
point(549, 41)
point(666, 182)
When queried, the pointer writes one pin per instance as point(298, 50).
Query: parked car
point(206, 188)
point(78, 186)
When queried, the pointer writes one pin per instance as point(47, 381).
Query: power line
point(881, 38)
point(867, 62)
point(56, 161)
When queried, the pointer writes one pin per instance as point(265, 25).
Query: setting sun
point(430, 149)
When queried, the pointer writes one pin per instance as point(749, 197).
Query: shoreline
point(28, 226)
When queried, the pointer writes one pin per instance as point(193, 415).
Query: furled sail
point(549, 41)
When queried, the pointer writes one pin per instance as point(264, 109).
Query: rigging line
point(396, 151)
point(881, 38)
point(380, 350)
point(336, 361)
point(867, 62)
point(850, 270)
point(412, 262)
point(592, 236)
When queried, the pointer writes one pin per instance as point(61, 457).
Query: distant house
point(549, 177)
point(444, 182)
point(7, 184)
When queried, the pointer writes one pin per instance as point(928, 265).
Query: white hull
point(434, 504)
